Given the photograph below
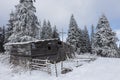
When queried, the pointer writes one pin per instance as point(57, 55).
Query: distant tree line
point(102, 41)
point(78, 38)
point(2, 38)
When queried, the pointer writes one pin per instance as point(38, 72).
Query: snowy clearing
point(100, 69)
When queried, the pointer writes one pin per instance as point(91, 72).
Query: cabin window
point(60, 43)
point(49, 48)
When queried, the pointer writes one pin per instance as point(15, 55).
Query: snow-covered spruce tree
point(43, 31)
point(105, 39)
point(26, 22)
point(79, 41)
point(86, 46)
point(49, 30)
point(39, 30)
point(83, 48)
point(92, 38)
point(2, 38)
point(72, 33)
point(10, 26)
point(46, 32)
point(55, 33)
point(119, 50)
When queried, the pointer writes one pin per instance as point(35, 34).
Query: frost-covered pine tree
point(83, 48)
point(92, 34)
point(119, 50)
point(86, 46)
point(43, 31)
point(46, 32)
point(10, 26)
point(55, 33)
point(39, 31)
point(26, 22)
point(2, 38)
point(72, 33)
point(105, 39)
point(92, 38)
point(79, 41)
point(49, 30)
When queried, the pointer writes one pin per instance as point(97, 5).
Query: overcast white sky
point(86, 12)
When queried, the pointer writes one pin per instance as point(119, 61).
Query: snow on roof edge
point(7, 44)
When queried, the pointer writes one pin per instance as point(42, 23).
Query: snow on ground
point(100, 69)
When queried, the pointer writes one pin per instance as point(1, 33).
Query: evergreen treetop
point(26, 22)
point(73, 33)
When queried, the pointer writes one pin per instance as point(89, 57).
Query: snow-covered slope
point(100, 69)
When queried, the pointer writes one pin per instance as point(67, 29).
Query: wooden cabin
point(51, 49)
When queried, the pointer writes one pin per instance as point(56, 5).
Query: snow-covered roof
point(7, 44)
